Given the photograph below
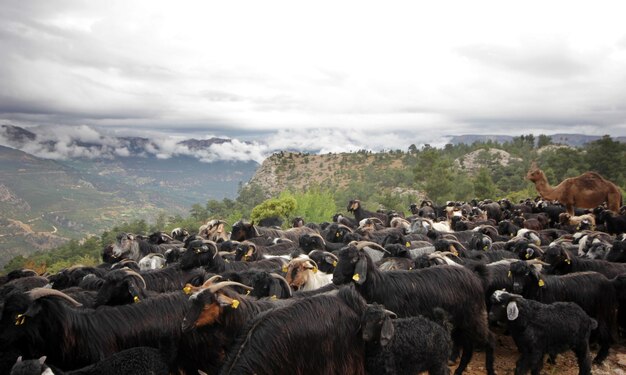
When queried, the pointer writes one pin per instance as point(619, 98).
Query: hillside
point(298, 171)
point(475, 160)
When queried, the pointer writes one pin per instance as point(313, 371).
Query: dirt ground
point(506, 355)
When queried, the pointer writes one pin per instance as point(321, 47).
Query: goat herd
point(377, 294)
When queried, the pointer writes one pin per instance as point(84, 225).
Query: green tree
point(198, 212)
point(543, 140)
point(316, 205)
point(607, 157)
point(484, 187)
point(279, 207)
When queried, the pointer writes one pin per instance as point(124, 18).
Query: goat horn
point(449, 253)
point(435, 255)
point(454, 242)
point(391, 314)
point(537, 261)
point(282, 280)
point(211, 280)
point(320, 236)
point(361, 244)
point(215, 287)
point(132, 273)
point(37, 293)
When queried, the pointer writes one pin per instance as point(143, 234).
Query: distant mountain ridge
point(98, 147)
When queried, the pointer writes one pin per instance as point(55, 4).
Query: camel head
point(534, 173)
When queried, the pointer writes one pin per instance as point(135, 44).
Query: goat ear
point(512, 312)
point(360, 270)
point(386, 332)
point(42, 360)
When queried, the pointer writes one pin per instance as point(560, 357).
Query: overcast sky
point(386, 73)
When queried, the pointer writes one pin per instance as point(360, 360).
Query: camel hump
point(591, 180)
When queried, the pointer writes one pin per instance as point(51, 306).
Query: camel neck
point(544, 188)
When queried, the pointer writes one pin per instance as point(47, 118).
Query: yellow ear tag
point(541, 283)
point(527, 256)
point(356, 277)
point(274, 298)
point(334, 263)
point(187, 290)
point(234, 304)
point(19, 319)
point(568, 261)
point(408, 244)
point(135, 299)
point(509, 275)
point(246, 257)
point(285, 268)
point(485, 247)
point(455, 253)
point(315, 269)
point(247, 292)
point(337, 234)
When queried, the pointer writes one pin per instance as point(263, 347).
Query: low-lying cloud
point(69, 142)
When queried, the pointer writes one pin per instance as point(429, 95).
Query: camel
point(589, 190)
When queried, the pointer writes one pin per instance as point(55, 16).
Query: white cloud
point(432, 68)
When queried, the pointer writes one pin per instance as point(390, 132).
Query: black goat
point(248, 251)
point(41, 322)
point(138, 360)
point(340, 219)
point(216, 315)
point(310, 242)
point(246, 231)
point(265, 284)
point(17, 274)
point(614, 223)
point(335, 233)
point(302, 338)
point(21, 285)
point(124, 286)
point(72, 276)
point(418, 292)
point(360, 213)
point(539, 329)
point(618, 250)
point(590, 290)
point(205, 254)
point(407, 345)
point(563, 262)
point(326, 261)
point(128, 246)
